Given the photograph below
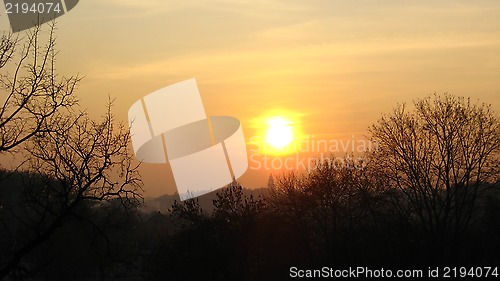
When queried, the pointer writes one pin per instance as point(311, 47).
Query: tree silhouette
point(328, 210)
point(441, 156)
point(34, 98)
point(72, 161)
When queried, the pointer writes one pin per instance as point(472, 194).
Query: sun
point(279, 133)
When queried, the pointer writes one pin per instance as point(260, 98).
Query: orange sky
point(334, 66)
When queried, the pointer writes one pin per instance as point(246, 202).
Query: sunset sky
point(332, 67)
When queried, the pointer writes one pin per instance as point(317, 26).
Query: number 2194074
point(26, 8)
point(478, 272)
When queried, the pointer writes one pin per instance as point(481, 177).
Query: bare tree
point(72, 161)
point(32, 95)
point(440, 156)
point(232, 204)
point(329, 203)
point(81, 163)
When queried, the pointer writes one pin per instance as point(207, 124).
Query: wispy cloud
point(320, 56)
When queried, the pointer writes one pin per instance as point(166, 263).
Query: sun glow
point(277, 133)
point(280, 133)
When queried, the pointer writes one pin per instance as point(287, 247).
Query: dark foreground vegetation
point(70, 209)
point(331, 217)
